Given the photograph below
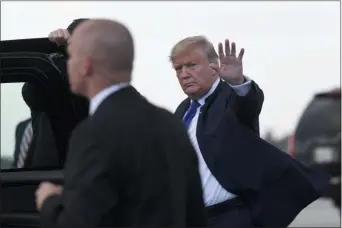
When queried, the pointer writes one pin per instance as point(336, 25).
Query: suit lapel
point(180, 111)
point(210, 99)
point(210, 122)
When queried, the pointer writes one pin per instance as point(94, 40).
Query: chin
point(75, 90)
point(191, 92)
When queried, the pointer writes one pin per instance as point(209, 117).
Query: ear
point(215, 68)
point(87, 67)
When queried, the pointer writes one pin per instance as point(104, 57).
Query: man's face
point(194, 72)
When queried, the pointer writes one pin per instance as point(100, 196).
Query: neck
point(101, 83)
point(95, 89)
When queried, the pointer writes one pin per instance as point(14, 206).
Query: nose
point(184, 73)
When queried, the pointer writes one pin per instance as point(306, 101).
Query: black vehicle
point(37, 61)
point(317, 139)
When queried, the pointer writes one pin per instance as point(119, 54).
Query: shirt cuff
point(243, 89)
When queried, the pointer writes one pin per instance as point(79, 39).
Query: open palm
point(230, 69)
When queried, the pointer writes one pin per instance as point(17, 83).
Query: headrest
point(34, 97)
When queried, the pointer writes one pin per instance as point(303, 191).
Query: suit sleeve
point(248, 107)
point(88, 192)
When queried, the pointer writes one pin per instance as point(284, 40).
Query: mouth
point(187, 85)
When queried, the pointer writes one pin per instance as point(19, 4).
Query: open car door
point(37, 61)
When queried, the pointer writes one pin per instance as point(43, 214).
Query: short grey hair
point(200, 41)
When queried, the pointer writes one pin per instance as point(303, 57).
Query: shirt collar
point(98, 99)
point(212, 89)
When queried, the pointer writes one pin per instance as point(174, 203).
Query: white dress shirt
point(213, 192)
point(99, 98)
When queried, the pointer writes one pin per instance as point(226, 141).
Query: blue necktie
point(191, 113)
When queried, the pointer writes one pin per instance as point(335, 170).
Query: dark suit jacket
point(130, 164)
point(19, 133)
point(273, 185)
point(42, 152)
point(45, 153)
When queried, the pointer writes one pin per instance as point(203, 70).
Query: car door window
point(37, 63)
point(13, 112)
point(33, 62)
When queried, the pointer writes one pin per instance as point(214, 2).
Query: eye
point(191, 65)
point(177, 68)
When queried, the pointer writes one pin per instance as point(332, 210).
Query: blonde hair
point(199, 41)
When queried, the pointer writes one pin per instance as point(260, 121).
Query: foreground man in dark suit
point(123, 167)
point(246, 181)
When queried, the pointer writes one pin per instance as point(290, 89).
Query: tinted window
point(322, 117)
point(13, 111)
point(27, 137)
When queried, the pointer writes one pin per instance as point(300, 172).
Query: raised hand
point(230, 68)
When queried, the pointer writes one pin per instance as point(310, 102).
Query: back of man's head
point(109, 45)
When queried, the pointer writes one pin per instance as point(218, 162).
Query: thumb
point(66, 34)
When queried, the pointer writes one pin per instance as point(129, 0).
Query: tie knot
point(195, 104)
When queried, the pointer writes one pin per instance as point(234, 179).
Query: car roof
point(322, 116)
point(40, 45)
point(336, 92)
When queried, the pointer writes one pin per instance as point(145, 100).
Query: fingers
point(59, 36)
point(233, 53)
point(53, 36)
point(220, 51)
point(66, 34)
point(227, 47)
point(242, 51)
point(229, 50)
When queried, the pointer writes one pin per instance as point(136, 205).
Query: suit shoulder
point(23, 123)
point(82, 128)
point(175, 127)
point(183, 103)
point(181, 107)
point(163, 113)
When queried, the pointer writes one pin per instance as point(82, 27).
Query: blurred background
point(292, 52)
